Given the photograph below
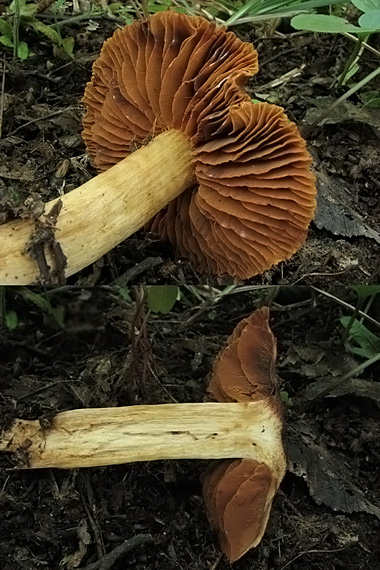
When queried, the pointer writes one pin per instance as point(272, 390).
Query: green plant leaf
point(325, 24)
point(369, 343)
point(370, 20)
point(364, 291)
point(6, 28)
point(6, 41)
point(46, 31)
point(161, 298)
point(22, 50)
point(370, 99)
point(125, 293)
point(366, 5)
point(68, 45)
point(12, 5)
point(43, 304)
point(28, 10)
point(57, 5)
point(114, 7)
point(351, 72)
point(11, 320)
point(59, 314)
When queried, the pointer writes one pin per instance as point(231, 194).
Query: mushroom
point(225, 180)
point(244, 426)
point(239, 493)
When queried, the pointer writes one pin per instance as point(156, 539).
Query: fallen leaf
point(328, 476)
point(345, 111)
point(335, 213)
point(351, 387)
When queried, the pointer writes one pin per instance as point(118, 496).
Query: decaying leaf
point(328, 477)
point(352, 386)
point(317, 361)
point(346, 111)
point(335, 212)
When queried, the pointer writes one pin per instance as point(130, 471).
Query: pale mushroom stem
point(104, 211)
point(108, 436)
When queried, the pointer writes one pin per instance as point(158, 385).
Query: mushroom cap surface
point(254, 195)
point(238, 494)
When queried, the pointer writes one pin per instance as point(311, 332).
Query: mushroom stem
point(104, 211)
point(108, 436)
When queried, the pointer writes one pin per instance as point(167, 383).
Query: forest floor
point(42, 154)
point(100, 347)
point(94, 343)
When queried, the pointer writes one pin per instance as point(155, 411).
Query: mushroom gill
point(254, 194)
point(238, 493)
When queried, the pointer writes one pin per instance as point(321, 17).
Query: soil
point(42, 155)
point(93, 342)
point(87, 357)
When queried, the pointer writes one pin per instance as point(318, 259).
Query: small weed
point(11, 320)
point(368, 24)
point(370, 99)
point(368, 344)
point(162, 298)
point(21, 16)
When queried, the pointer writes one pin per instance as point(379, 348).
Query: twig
point(48, 116)
point(2, 97)
point(129, 275)
point(365, 44)
point(109, 559)
point(327, 551)
point(292, 74)
point(217, 562)
point(87, 503)
point(346, 305)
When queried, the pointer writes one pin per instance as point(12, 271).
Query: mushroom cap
point(245, 370)
point(238, 494)
point(254, 195)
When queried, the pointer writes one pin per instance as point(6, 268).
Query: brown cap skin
point(239, 493)
point(254, 195)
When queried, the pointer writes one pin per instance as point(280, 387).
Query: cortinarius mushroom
point(245, 425)
point(225, 180)
point(239, 494)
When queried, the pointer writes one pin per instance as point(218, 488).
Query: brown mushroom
point(225, 180)
point(244, 425)
point(253, 196)
point(239, 494)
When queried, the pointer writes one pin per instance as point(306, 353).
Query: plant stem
point(367, 46)
point(344, 304)
point(16, 28)
point(354, 314)
point(368, 305)
point(2, 307)
point(352, 59)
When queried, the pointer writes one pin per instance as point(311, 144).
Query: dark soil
point(108, 351)
point(42, 155)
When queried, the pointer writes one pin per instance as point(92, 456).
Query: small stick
point(109, 559)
